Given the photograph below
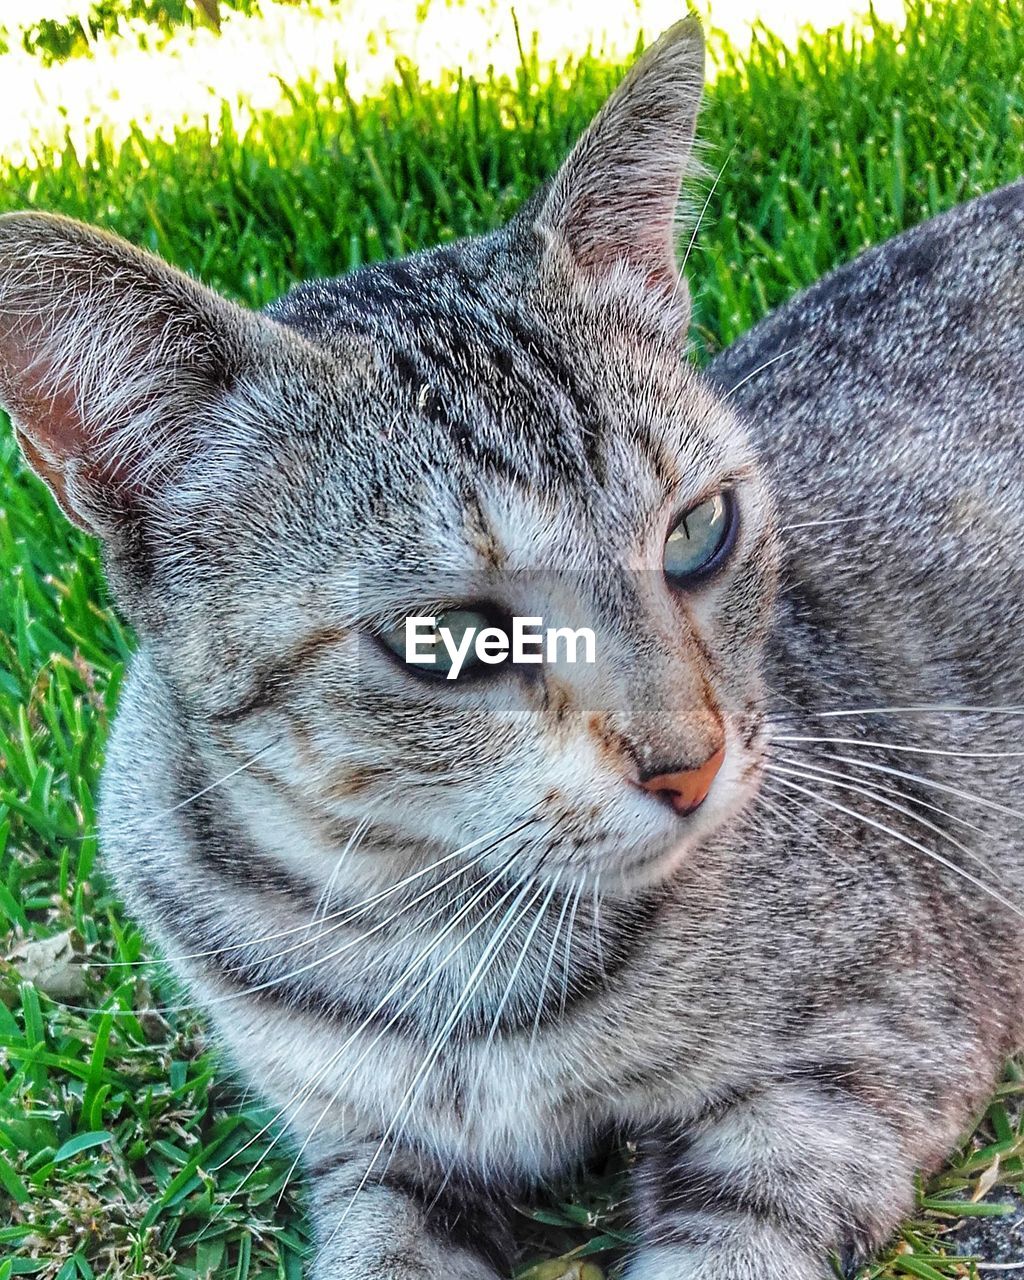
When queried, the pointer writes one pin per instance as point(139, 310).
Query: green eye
point(701, 540)
point(433, 652)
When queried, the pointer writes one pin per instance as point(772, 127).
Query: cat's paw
point(668, 1262)
point(427, 1263)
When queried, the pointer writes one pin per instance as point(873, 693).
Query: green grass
point(116, 1122)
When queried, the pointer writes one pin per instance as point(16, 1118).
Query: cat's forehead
point(476, 372)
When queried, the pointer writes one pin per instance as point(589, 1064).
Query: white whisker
point(878, 787)
point(830, 778)
point(305, 1092)
point(516, 969)
point(568, 946)
point(946, 787)
point(804, 831)
point(548, 969)
point(359, 831)
point(410, 970)
point(596, 929)
point(344, 915)
point(907, 840)
point(897, 746)
point(941, 708)
point(157, 818)
point(700, 218)
point(479, 972)
point(431, 976)
point(782, 355)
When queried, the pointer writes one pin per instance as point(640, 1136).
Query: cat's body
point(457, 935)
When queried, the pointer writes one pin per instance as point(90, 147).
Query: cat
point(749, 891)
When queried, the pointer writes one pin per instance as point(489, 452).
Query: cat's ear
point(614, 200)
point(111, 364)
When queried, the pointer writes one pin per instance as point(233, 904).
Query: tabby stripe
point(274, 679)
point(227, 854)
point(197, 927)
point(460, 1213)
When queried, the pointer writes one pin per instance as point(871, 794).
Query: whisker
point(911, 709)
point(447, 1032)
point(700, 217)
point(596, 929)
point(512, 917)
point(568, 946)
point(406, 1106)
point(804, 831)
point(946, 787)
point(301, 1096)
point(548, 969)
point(345, 914)
point(516, 969)
point(898, 746)
point(360, 830)
point(830, 778)
point(182, 804)
point(531, 933)
point(878, 787)
point(491, 878)
point(322, 961)
point(410, 999)
point(308, 1087)
point(905, 839)
point(782, 355)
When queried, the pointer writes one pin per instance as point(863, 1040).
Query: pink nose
point(686, 790)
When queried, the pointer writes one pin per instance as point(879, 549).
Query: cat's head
point(506, 426)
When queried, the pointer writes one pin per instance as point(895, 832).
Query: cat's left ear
point(614, 200)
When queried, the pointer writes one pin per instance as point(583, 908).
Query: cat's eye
point(701, 540)
point(433, 653)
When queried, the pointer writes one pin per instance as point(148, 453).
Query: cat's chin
point(647, 869)
point(624, 874)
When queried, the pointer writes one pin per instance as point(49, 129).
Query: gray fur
point(441, 929)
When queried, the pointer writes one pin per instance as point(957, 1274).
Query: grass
point(116, 1123)
point(144, 74)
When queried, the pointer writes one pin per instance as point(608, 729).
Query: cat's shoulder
point(958, 271)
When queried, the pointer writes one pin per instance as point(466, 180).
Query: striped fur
point(441, 928)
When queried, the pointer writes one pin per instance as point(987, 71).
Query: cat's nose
point(687, 789)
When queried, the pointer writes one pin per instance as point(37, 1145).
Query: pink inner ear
point(640, 233)
point(71, 478)
point(56, 470)
point(47, 422)
point(53, 435)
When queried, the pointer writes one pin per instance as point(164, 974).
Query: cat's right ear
point(112, 364)
point(613, 203)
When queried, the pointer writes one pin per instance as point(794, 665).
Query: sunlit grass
point(116, 1120)
point(140, 81)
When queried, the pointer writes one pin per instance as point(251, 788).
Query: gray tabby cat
point(749, 892)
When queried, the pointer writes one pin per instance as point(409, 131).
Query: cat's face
point(502, 428)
